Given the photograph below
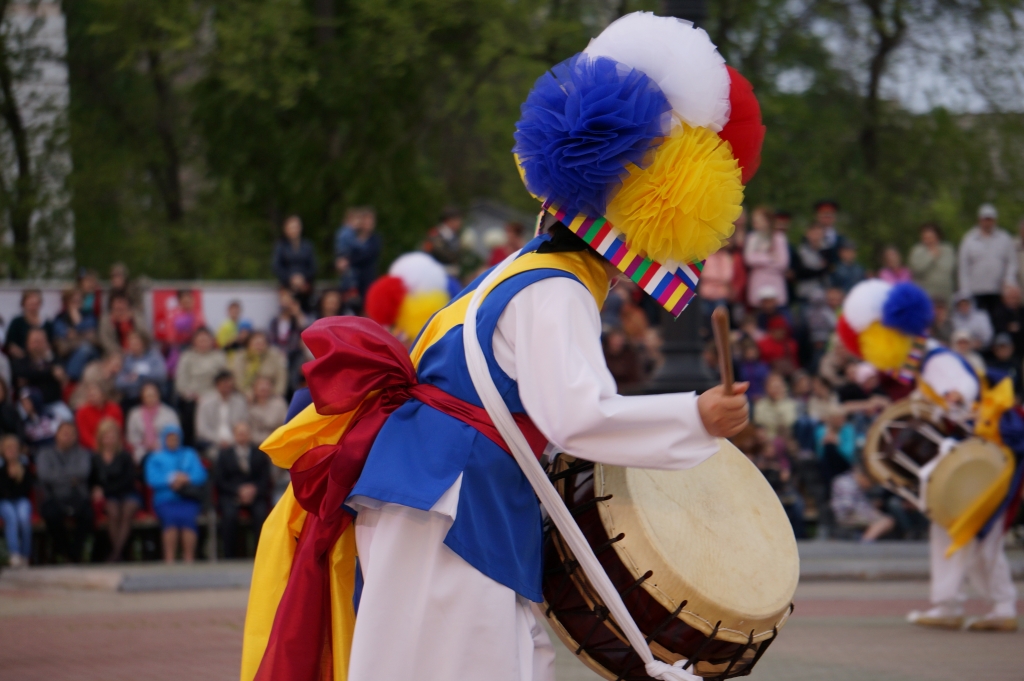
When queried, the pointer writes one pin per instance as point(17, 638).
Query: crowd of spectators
point(102, 424)
point(812, 401)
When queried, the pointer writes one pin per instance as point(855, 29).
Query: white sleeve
point(549, 340)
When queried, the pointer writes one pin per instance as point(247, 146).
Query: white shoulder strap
point(563, 520)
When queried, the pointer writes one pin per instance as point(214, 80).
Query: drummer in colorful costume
point(647, 130)
point(886, 326)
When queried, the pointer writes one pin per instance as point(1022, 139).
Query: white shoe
point(939, 617)
point(992, 622)
point(16, 561)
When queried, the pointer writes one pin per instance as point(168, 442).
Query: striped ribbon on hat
point(671, 284)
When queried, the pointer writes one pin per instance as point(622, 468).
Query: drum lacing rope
point(520, 448)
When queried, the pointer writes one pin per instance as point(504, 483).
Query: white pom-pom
point(677, 56)
point(420, 273)
point(944, 372)
point(863, 304)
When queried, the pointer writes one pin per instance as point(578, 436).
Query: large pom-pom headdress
point(404, 300)
point(641, 145)
point(886, 324)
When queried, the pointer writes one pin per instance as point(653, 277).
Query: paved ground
point(841, 631)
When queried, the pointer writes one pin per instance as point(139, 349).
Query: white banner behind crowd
point(259, 300)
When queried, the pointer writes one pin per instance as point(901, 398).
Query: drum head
point(715, 536)
point(963, 476)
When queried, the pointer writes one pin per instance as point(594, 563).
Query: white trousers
point(982, 563)
point(425, 614)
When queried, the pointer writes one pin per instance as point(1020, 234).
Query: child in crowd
point(778, 349)
point(227, 333)
point(967, 317)
point(852, 508)
point(752, 369)
point(15, 500)
point(847, 272)
point(893, 270)
point(820, 321)
point(963, 344)
point(773, 463)
point(776, 412)
point(835, 445)
point(1001, 360)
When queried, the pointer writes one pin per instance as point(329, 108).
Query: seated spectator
point(118, 324)
point(142, 363)
point(967, 317)
point(847, 272)
point(286, 328)
point(64, 470)
point(176, 476)
point(10, 419)
point(892, 269)
point(833, 364)
point(715, 285)
point(1001, 361)
point(114, 478)
point(147, 421)
point(245, 331)
point(622, 358)
point(186, 319)
point(751, 369)
point(31, 317)
point(36, 368)
point(227, 333)
point(123, 286)
point(1008, 318)
point(90, 303)
point(74, 335)
point(823, 399)
point(267, 412)
point(942, 325)
point(197, 368)
point(242, 478)
point(773, 463)
point(820, 321)
point(768, 308)
point(515, 238)
point(330, 304)
point(778, 349)
point(853, 509)
point(16, 501)
point(39, 421)
point(260, 359)
point(218, 412)
point(963, 344)
point(98, 407)
point(835, 446)
point(932, 263)
point(776, 411)
point(102, 371)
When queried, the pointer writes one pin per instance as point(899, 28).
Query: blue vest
point(420, 451)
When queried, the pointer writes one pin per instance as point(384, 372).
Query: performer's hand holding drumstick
point(724, 409)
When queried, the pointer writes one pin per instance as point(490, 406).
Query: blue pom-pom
point(908, 309)
point(583, 122)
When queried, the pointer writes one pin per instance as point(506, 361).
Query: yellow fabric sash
point(309, 429)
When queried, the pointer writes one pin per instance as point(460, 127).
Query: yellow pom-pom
point(416, 311)
point(682, 206)
point(884, 348)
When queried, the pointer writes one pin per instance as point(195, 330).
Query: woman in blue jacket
point(176, 475)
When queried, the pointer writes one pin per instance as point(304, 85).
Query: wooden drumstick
point(720, 325)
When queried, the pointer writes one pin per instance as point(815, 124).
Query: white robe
point(425, 613)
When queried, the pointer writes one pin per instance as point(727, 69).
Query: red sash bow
point(359, 367)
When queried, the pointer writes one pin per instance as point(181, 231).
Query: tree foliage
point(197, 126)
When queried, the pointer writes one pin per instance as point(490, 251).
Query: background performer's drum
point(909, 450)
point(705, 560)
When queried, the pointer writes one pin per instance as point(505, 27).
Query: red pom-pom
point(744, 130)
point(383, 299)
point(848, 336)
